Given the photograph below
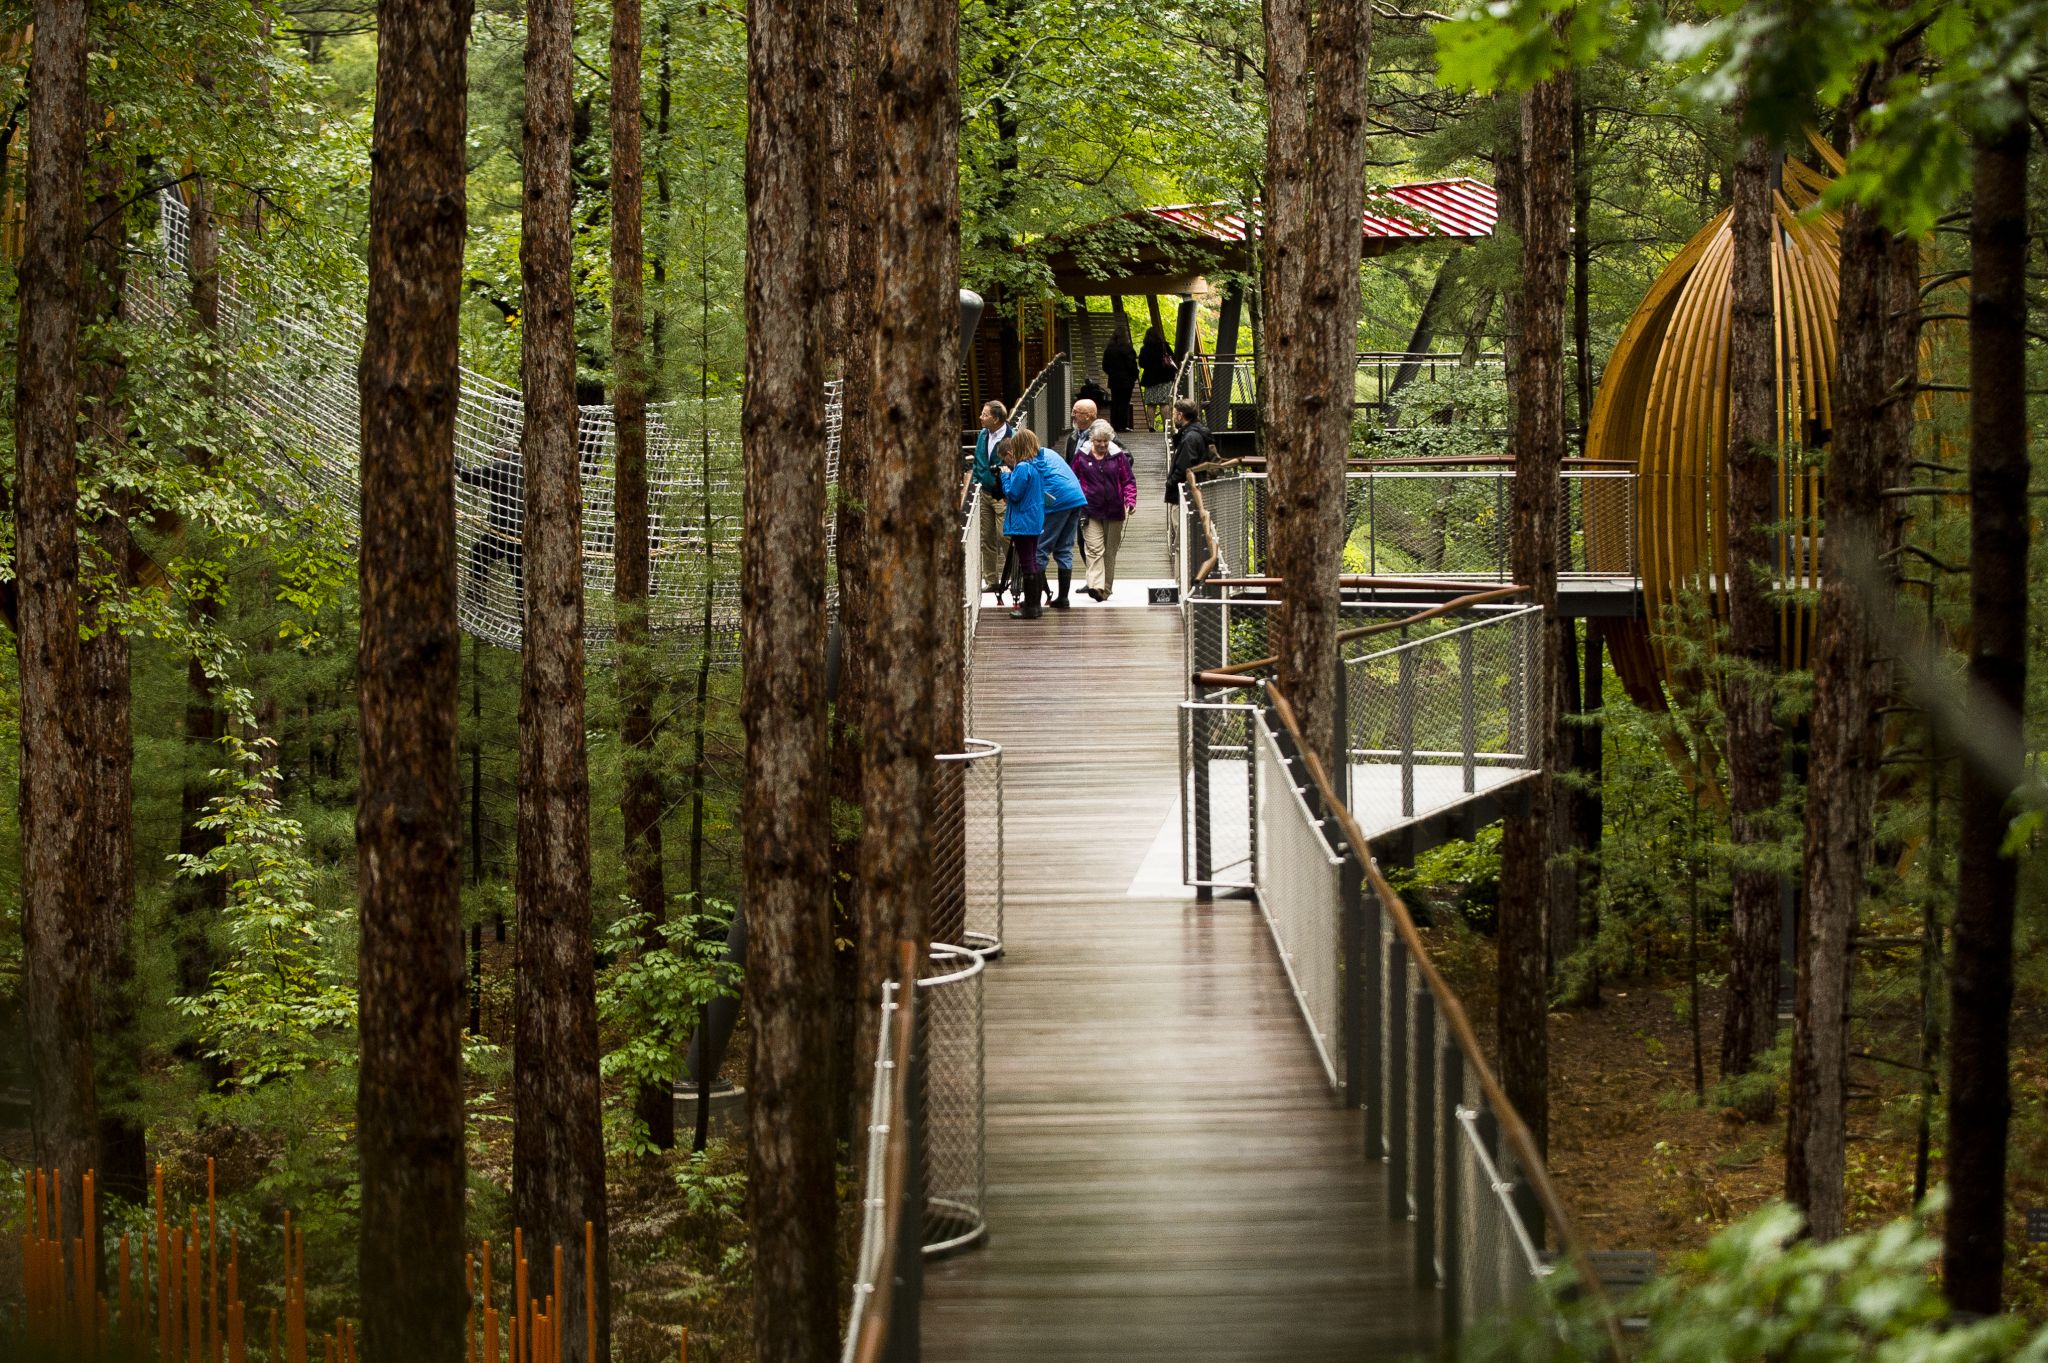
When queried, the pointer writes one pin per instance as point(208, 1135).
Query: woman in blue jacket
point(1024, 516)
point(1064, 503)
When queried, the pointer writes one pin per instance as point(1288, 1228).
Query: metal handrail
point(886, 1206)
point(1512, 1128)
point(1239, 674)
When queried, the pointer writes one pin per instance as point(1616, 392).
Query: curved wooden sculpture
point(1663, 406)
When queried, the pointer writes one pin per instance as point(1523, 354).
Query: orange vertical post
point(590, 1290)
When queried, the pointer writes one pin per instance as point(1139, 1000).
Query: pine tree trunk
point(557, 1140)
point(1534, 886)
point(110, 832)
point(1750, 1018)
point(409, 1102)
point(641, 799)
point(57, 912)
point(1849, 687)
point(791, 1149)
point(1315, 198)
point(197, 901)
point(1582, 270)
point(1980, 978)
point(914, 377)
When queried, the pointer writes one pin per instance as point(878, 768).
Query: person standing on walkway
point(1064, 501)
point(1155, 370)
point(1107, 480)
point(1193, 446)
point(1085, 412)
point(988, 476)
point(1120, 367)
point(1024, 517)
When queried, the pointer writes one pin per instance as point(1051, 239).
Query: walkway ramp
point(1168, 1176)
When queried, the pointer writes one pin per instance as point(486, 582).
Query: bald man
point(1077, 438)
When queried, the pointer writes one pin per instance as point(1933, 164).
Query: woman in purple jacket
point(1104, 468)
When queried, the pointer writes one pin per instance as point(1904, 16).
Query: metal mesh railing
point(1226, 387)
point(967, 847)
point(1463, 1171)
point(1218, 830)
point(955, 1115)
point(881, 1307)
point(1446, 522)
point(1433, 720)
point(292, 378)
point(1300, 880)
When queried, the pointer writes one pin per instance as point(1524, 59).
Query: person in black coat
point(1156, 368)
point(1120, 367)
point(1193, 446)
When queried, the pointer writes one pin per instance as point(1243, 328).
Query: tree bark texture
point(1315, 201)
point(1754, 742)
point(1981, 953)
point(914, 618)
point(557, 1141)
point(1867, 450)
point(409, 1103)
point(57, 910)
point(1535, 886)
point(791, 1152)
point(110, 829)
point(640, 798)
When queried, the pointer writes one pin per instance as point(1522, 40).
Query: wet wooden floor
point(1168, 1179)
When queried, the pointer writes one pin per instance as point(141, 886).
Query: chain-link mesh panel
point(292, 377)
point(955, 1117)
point(1434, 719)
point(1217, 822)
point(967, 847)
point(1300, 885)
point(1498, 1260)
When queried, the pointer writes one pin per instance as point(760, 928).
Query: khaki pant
point(994, 545)
point(1099, 543)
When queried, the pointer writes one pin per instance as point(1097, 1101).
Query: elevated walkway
point(1168, 1176)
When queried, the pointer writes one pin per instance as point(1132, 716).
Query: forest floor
point(1643, 1163)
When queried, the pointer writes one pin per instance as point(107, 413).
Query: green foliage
point(1467, 872)
point(651, 1000)
point(1758, 1291)
point(284, 1002)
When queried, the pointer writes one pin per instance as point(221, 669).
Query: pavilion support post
point(1226, 358)
point(1185, 329)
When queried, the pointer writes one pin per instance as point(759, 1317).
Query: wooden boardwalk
point(1168, 1178)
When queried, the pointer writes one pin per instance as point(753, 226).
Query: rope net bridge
point(294, 381)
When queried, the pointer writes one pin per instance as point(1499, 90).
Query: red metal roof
point(1463, 209)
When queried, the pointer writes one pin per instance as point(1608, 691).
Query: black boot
point(1060, 602)
point(1034, 592)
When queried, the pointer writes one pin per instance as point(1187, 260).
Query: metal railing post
point(1340, 734)
point(1397, 1079)
point(1468, 725)
point(1372, 524)
point(1426, 1149)
point(1451, 1282)
point(1372, 976)
point(1352, 963)
point(1404, 727)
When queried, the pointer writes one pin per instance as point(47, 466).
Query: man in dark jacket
point(1192, 446)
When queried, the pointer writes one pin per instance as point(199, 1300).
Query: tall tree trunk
point(409, 1103)
point(1750, 1018)
point(1534, 886)
point(790, 1153)
point(1980, 978)
point(57, 918)
point(914, 376)
point(1582, 269)
point(640, 800)
point(110, 834)
point(557, 1136)
point(1849, 686)
point(1315, 201)
point(197, 901)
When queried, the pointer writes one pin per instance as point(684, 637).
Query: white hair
point(1102, 428)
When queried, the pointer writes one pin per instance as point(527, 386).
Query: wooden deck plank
point(1168, 1177)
